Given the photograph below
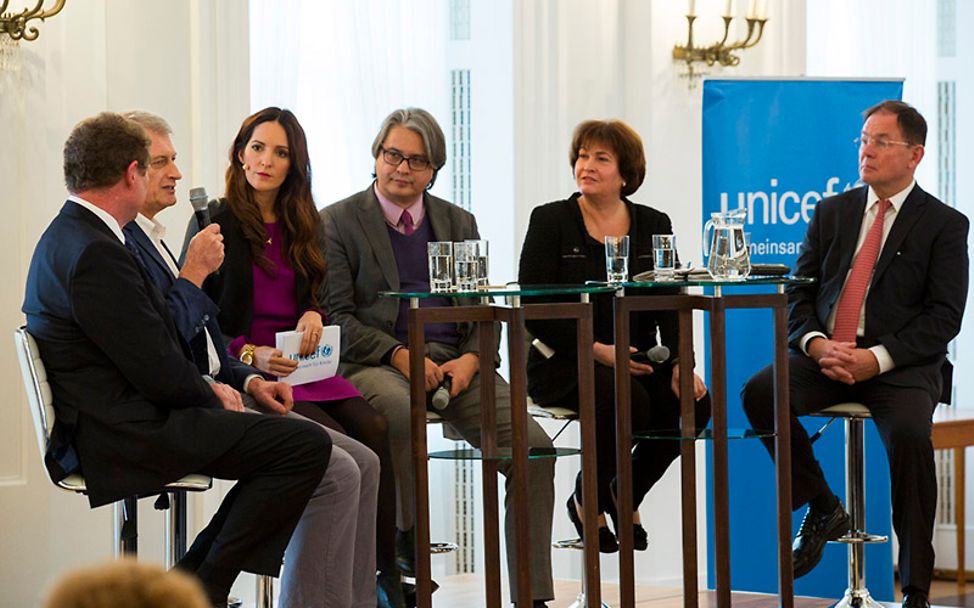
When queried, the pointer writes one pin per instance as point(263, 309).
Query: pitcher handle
point(706, 242)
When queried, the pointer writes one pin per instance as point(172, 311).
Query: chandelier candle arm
point(15, 24)
point(720, 52)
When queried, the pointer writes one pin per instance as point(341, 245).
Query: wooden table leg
point(627, 598)
point(718, 395)
point(519, 455)
point(586, 418)
point(417, 397)
point(959, 490)
point(783, 457)
point(488, 467)
point(688, 462)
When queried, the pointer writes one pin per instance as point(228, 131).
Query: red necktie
point(407, 223)
point(850, 303)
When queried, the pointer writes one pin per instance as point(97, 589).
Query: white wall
point(183, 59)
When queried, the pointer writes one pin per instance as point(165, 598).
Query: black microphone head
point(198, 198)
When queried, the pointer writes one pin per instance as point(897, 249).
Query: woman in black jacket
point(564, 245)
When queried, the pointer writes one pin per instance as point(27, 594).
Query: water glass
point(664, 256)
point(617, 258)
point(466, 262)
point(483, 260)
point(440, 257)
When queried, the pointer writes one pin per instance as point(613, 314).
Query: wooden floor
point(466, 590)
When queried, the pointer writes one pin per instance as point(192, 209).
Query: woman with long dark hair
point(270, 282)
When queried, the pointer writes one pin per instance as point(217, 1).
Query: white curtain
point(341, 67)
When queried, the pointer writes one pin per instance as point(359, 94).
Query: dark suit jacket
point(192, 310)
point(555, 252)
point(360, 263)
point(126, 393)
point(918, 290)
point(232, 288)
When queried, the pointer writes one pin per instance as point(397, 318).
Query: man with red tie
point(890, 267)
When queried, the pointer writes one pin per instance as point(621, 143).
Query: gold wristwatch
point(247, 354)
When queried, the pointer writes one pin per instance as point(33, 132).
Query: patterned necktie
point(850, 303)
point(407, 223)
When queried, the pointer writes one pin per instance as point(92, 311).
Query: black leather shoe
point(388, 590)
point(640, 539)
point(406, 551)
point(816, 530)
point(607, 540)
point(409, 592)
point(916, 599)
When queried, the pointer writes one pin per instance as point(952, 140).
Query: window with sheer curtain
point(341, 67)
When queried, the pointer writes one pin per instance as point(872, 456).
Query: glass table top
point(706, 435)
point(596, 287)
point(510, 289)
point(502, 453)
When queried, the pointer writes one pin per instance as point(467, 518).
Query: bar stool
point(856, 595)
point(125, 529)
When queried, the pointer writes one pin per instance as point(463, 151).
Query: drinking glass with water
point(664, 256)
point(617, 258)
point(440, 256)
point(466, 263)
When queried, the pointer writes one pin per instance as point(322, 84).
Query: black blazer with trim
point(556, 251)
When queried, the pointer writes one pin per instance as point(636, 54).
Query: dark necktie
point(407, 223)
point(850, 302)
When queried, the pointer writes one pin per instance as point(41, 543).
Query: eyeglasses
point(394, 158)
point(880, 142)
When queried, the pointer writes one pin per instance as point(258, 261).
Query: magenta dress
point(276, 309)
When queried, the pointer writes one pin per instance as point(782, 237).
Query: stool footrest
point(861, 537)
point(440, 548)
point(569, 543)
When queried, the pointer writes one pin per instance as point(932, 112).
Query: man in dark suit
point(890, 263)
point(130, 403)
point(376, 240)
point(338, 523)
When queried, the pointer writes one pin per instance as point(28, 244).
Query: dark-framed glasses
point(395, 158)
point(880, 142)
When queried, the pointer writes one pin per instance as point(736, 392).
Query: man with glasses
point(377, 240)
point(890, 263)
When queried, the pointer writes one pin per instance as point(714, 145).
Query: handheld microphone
point(201, 209)
point(441, 397)
point(657, 354)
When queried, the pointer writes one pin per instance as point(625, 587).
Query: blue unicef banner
point(776, 148)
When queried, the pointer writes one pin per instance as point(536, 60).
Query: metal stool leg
point(176, 528)
point(857, 595)
point(265, 591)
point(126, 527)
point(575, 544)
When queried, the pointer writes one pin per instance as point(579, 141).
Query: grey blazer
point(360, 263)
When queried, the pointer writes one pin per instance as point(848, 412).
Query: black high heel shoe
point(607, 540)
point(640, 538)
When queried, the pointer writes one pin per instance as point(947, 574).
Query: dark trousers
point(278, 462)
point(654, 408)
point(903, 419)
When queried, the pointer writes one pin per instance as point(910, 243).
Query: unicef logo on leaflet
point(323, 350)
